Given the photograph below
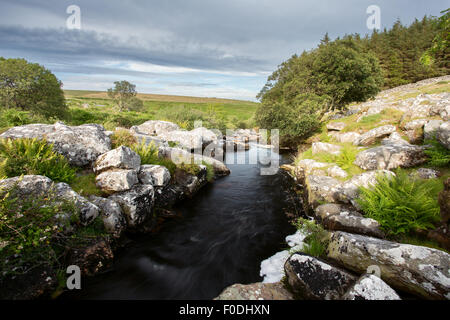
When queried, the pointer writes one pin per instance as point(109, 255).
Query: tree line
point(350, 69)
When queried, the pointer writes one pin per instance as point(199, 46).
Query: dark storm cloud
point(230, 37)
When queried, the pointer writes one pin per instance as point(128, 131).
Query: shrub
point(439, 156)
point(31, 87)
point(31, 156)
point(147, 152)
point(316, 245)
point(29, 231)
point(296, 122)
point(402, 203)
point(123, 137)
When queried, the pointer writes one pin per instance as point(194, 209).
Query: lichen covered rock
point(255, 291)
point(312, 278)
point(119, 158)
point(390, 156)
point(137, 204)
point(370, 287)
point(421, 271)
point(116, 180)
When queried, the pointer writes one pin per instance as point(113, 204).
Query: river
point(218, 238)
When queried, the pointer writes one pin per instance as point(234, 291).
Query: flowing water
point(220, 238)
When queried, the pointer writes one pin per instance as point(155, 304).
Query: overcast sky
point(185, 47)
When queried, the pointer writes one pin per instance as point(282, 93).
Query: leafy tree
point(124, 95)
point(31, 87)
point(305, 87)
point(342, 71)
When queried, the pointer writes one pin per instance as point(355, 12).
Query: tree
point(440, 47)
point(31, 87)
point(305, 87)
point(124, 95)
point(343, 72)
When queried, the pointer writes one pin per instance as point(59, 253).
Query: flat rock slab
point(370, 287)
point(390, 156)
point(256, 291)
point(349, 191)
point(371, 136)
point(178, 156)
point(336, 126)
point(32, 186)
point(342, 137)
point(421, 271)
point(312, 278)
point(306, 167)
point(155, 127)
point(318, 147)
point(345, 221)
point(415, 124)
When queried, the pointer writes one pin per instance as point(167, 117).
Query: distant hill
point(151, 97)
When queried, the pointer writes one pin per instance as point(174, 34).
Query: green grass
point(403, 203)
point(84, 184)
point(439, 87)
point(344, 160)
point(315, 244)
point(182, 110)
point(386, 116)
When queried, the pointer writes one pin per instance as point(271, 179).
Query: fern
point(32, 156)
point(438, 155)
point(402, 204)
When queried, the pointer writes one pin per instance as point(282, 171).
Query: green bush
point(149, 155)
point(316, 245)
point(31, 87)
point(30, 235)
point(402, 203)
point(147, 152)
point(439, 156)
point(122, 137)
point(296, 122)
point(31, 156)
